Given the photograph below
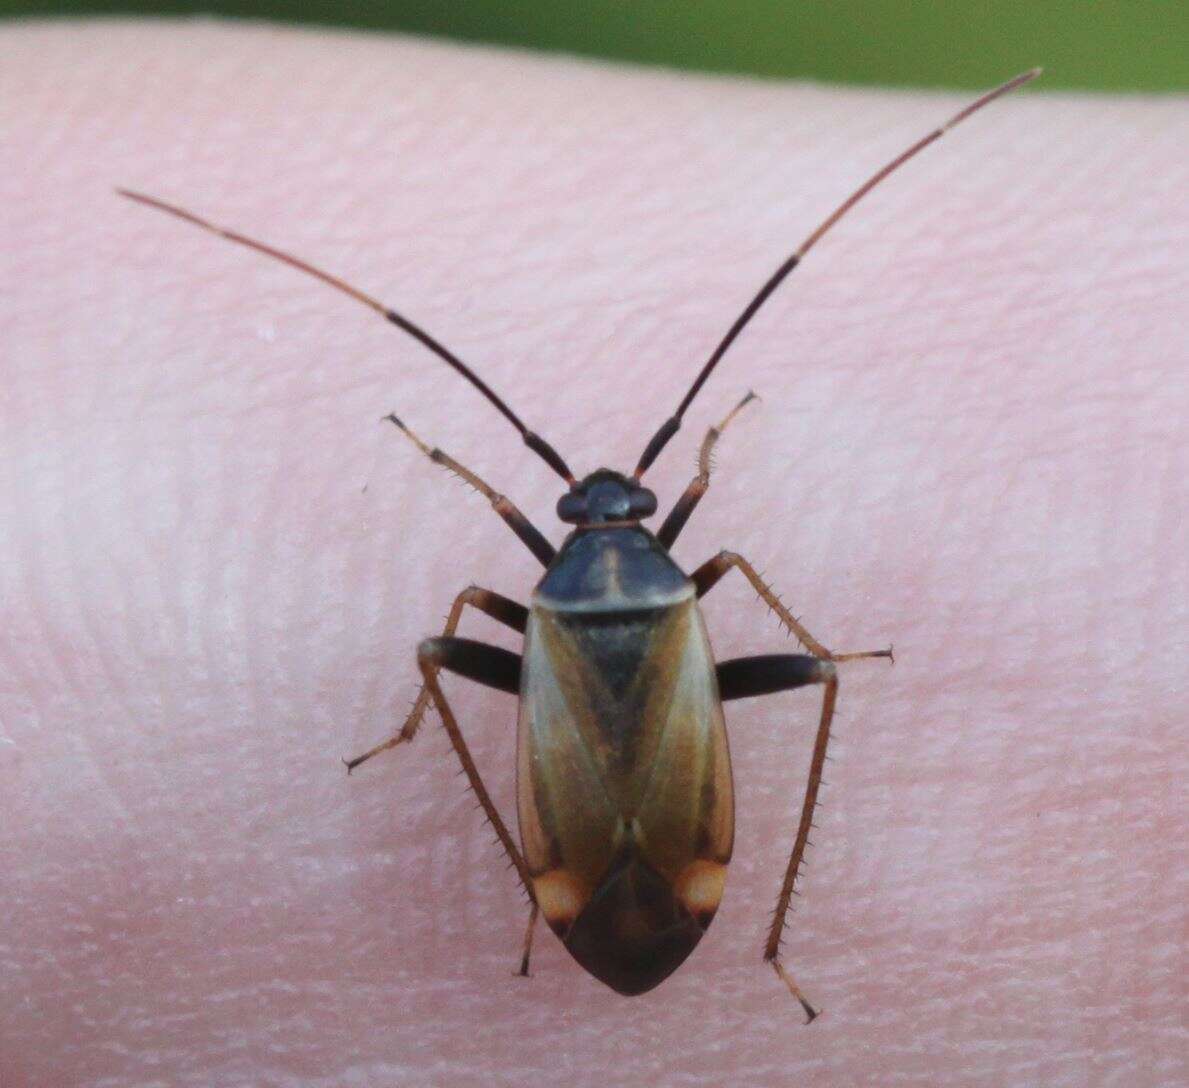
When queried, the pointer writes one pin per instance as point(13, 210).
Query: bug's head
point(605, 496)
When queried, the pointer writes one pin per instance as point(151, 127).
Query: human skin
point(216, 561)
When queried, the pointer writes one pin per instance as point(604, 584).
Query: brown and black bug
point(624, 794)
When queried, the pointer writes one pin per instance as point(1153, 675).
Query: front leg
point(528, 533)
point(698, 486)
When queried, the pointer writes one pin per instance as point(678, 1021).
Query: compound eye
point(572, 506)
point(643, 503)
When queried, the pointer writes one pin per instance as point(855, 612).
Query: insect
point(624, 788)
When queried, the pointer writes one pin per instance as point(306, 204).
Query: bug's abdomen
point(624, 792)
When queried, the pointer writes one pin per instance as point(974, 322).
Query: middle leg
point(488, 665)
point(766, 675)
point(508, 612)
point(710, 573)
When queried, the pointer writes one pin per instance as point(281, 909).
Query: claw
point(811, 1013)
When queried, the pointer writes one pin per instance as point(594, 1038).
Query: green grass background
point(1104, 44)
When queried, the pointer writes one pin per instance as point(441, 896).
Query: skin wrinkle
point(967, 444)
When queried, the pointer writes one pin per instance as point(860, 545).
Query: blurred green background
point(1106, 44)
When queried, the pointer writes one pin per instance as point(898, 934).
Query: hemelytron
point(624, 789)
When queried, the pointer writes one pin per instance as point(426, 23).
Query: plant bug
point(624, 789)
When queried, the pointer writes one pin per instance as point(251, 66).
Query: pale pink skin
point(216, 562)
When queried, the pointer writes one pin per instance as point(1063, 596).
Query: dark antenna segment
point(671, 426)
point(534, 441)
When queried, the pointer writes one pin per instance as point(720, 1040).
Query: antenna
point(534, 441)
point(671, 426)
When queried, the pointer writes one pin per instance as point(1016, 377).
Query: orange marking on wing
point(561, 896)
point(699, 886)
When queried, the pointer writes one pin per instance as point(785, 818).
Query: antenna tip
point(1025, 77)
point(392, 417)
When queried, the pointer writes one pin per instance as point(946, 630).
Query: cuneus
point(625, 795)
